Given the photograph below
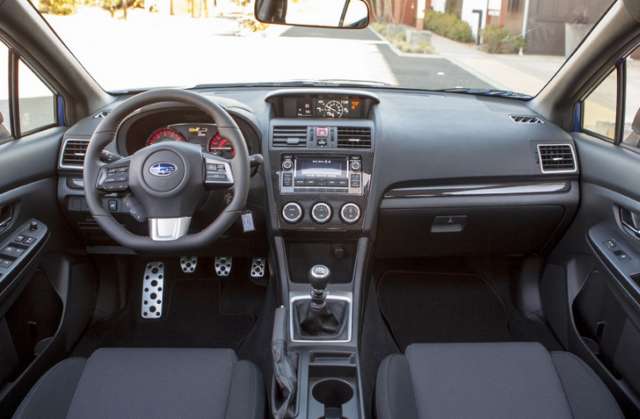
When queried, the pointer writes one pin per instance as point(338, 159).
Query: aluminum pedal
point(152, 290)
point(222, 266)
point(188, 264)
point(258, 268)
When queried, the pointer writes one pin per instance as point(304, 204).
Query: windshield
point(505, 45)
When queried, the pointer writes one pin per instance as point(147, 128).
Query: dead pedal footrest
point(152, 290)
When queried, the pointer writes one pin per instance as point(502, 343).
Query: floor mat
point(194, 317)
point(441, 307)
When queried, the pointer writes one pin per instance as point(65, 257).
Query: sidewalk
point(520, 73)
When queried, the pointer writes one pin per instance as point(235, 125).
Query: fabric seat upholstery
point(150, 383)
point(490, 380)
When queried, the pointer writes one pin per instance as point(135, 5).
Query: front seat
point(490, 381)
point(148, 383)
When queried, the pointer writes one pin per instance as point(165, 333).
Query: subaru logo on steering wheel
point(163, 169)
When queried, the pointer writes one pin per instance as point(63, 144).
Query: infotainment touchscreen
point(308, 167)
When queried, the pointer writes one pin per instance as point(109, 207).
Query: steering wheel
point(167, 179)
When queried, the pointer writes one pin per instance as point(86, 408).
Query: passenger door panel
point(599, 262)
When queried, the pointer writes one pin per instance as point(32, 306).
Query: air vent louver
point(73, 153)
point(352, 137)
point(556, 158)
point(526, 119)
point(289, 136)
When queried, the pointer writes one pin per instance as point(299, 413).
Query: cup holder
point(332, 393)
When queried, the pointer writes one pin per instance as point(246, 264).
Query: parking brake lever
point(284, 369)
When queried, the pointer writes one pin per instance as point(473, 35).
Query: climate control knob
point(287, 164)
point(350, 213)
point(321, 212)
point(292, 212)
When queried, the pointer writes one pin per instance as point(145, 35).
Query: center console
point(320, 163)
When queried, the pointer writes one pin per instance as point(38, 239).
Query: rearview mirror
point(349, 14)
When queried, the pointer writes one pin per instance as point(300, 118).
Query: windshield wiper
point(486, 92)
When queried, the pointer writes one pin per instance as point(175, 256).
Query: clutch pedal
point(188, 264)
point(258, 268)
point(152, 290)
point(222, 266)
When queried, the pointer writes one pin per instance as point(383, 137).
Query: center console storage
point(333, 386)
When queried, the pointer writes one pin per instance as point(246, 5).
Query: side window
point(599, 115)
point(36, 102)
point(5, 122)
point(631, 129)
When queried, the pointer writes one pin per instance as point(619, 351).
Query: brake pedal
point(152, 290)
point(188, 264)
point(222, 266)
point(258, 268)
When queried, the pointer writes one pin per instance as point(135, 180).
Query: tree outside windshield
point(514, 45)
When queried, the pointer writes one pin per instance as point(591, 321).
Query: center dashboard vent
point(354, 137)
point(73, 153)
point(289, 136)
point(526, 119)
point(557, 158)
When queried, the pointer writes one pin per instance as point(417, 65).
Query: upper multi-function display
point(325, 106)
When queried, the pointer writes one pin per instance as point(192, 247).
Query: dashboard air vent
point(354, 137)
point(526, 119)
point(73, 153)
point(289, 136)
point(557, 158)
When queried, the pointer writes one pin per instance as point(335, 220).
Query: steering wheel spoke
point(217, 172)
point(168, 229)
point(114, 177)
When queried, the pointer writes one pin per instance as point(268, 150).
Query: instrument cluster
point(182, 125)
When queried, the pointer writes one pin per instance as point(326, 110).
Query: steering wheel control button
point(292, 212)
point(350, 213)
point(218, 173)
point(152, 290)
point(114, 178)
point(321, 212)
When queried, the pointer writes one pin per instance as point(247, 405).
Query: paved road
point(428, 72)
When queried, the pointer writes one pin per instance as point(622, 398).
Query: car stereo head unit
point(318, 173)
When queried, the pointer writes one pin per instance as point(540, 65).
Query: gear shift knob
point(319, 277)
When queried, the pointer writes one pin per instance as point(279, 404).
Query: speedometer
point(221, 146)
point(164, 134)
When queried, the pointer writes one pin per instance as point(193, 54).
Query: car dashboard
point(423, 173)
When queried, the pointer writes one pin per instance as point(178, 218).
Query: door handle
point(630, 220)
point(6, 216)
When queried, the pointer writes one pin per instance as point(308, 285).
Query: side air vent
point(526, 119)
point(557, 158)
point(73, 153)
point(289, 136)
point(352, 137)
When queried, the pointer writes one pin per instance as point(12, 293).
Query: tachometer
point(221, 146)
point(164, 134)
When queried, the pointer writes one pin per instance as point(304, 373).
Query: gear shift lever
point(319, 278)
point(319, 318)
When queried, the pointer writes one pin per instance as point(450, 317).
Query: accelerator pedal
point(188, 264)
point(222, 266)
point(152, 290)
